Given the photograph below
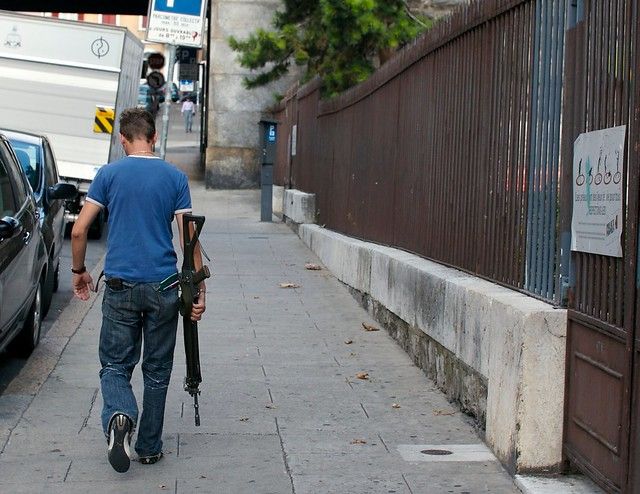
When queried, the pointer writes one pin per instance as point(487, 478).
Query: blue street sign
point(177, 22)
point(271, 136)
point(185, 7)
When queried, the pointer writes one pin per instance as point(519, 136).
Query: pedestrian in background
point(143, 194)
point(188, 111)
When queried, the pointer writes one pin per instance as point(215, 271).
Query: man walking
point(143, 194)
point(188, 111)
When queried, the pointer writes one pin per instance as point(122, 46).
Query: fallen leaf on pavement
point(362, 375)
point(162, 486)
point(313, 267)
point(289, 285)
point(395, 405)
point(348, 342)
point(358, 441)
point(369, 327)
point(270, 405)
point(444, 412)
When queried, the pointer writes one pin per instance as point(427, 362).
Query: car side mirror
point(9, 227)
point(62, 190)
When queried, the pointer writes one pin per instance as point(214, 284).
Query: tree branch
point(412, 15)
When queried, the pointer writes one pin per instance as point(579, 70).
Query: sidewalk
point(282, 407)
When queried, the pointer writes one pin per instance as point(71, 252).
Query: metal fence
point(601, 94)
point(451, 150)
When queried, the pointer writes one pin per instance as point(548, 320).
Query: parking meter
point(268, 147)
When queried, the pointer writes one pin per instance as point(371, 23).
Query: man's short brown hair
point(137, 123)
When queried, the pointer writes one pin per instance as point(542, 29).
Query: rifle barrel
point(196, 408)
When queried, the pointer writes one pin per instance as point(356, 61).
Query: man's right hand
point(82, 285)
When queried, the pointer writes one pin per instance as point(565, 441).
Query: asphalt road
point(10, 364)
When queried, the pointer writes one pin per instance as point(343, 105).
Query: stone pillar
point(232, 156)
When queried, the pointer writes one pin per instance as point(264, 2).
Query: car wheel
point(48, 289)
point(29, 337)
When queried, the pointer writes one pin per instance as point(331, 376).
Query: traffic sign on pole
point(155, 79)
point(155, 60)
point(176, 22)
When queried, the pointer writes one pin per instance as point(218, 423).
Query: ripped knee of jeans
point(157, 377)
point(117, 369)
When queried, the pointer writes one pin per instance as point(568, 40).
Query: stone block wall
point(232, 155)
point(497, 352)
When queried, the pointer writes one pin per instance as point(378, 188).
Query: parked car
point(23, 257)
point(38, 163)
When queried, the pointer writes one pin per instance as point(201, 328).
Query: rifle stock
point(189, 281)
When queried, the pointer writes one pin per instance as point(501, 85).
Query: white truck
point(67, 79)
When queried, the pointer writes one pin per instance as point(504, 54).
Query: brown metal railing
point(452, 149)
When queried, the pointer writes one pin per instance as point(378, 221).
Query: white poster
point(596, 225)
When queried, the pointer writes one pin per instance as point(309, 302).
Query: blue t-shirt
point(142, 195)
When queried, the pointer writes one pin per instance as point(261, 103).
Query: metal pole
point(167, 101)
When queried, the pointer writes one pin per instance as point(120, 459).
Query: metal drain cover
point(436, 452)
point(445, 452)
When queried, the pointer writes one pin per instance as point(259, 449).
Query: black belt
point(115, 283)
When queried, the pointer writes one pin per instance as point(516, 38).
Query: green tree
point(342, 41)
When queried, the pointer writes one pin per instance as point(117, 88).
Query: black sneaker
point(151, 459)
point(119, 440)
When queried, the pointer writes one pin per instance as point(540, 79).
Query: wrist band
point(79, 271)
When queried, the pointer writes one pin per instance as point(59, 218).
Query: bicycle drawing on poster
point(596, 224)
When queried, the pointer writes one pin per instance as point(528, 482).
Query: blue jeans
point(138, 312)
point(188, 121)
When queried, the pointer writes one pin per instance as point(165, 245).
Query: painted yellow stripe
point(104, 120)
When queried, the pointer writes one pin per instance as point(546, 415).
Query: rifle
point(189, 281)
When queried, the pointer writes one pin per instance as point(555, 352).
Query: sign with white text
point(176, 22)
point(598, 168)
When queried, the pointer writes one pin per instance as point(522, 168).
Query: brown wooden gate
point(601, 414)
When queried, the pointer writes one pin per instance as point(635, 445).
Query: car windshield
point(30, 158)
